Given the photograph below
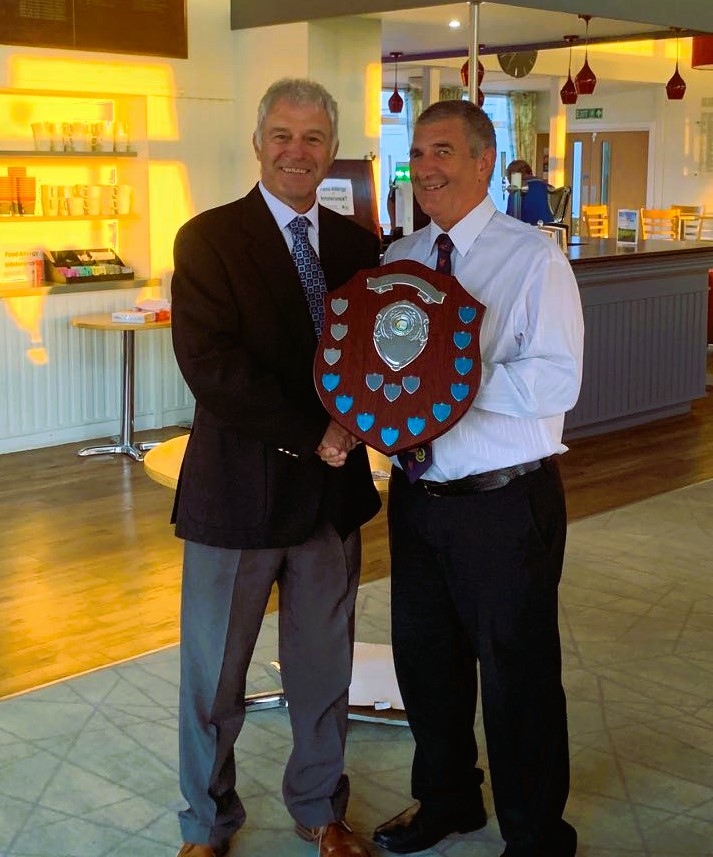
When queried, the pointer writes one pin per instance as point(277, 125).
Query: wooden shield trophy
point(398, 362)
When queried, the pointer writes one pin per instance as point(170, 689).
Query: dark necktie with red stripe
point(416, 461)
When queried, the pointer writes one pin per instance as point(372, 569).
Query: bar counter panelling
point(645, 319)
point(59, 384)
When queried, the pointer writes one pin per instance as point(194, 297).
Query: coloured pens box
point(85, 266)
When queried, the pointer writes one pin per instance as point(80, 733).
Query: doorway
point(606, 168)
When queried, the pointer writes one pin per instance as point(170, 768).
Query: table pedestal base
point(133, 450)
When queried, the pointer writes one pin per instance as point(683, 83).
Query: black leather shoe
point(418, 828)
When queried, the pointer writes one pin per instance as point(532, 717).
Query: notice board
point(145, 27)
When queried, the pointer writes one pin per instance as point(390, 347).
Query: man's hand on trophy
point(336, 444)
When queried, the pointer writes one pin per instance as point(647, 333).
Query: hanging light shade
point(481, 97)
point(568, 93)
point(676, 87)
point(396, 102)
point(586, 80)
point(465, 69)
point(702, 52)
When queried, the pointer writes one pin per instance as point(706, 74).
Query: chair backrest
point(705, 232)
point(659, 223)
point(689, 221)
point(596, 220)
point(558, 198)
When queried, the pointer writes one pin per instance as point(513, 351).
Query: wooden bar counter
point(645, 322)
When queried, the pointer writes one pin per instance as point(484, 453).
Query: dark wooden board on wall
point(361, 175)
point(145, 27)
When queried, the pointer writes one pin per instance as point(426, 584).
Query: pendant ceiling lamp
point(465, 69)
point(586, 80)
point(676, 87)
point(702, 52)
point(396, 102)
point(465, 77)
point(568, 93)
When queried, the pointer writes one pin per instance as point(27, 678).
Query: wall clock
point(518, 63)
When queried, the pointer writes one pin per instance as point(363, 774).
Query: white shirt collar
point(282, 212)
point(464, 233)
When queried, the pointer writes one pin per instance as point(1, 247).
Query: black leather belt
point(479, 482)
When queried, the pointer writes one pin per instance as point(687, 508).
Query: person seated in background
point(534, 204)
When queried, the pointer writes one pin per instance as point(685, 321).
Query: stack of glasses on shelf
point(18, 196)
point(81, 136)
point(18, 192)
point(82, 200)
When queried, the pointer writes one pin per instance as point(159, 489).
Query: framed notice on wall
point(145, 27)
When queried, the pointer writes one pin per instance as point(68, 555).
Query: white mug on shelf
point(121, 137)
point(81, 137)
point(102, 136)
point(42, 137)
point(94, 199)
point(76, 206)
point(106, 196)
point(49, 195)
point(123, 199)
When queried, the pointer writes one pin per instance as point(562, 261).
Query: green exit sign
point(589, 113)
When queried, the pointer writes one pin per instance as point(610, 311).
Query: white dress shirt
point(283, 214)
point(531, 341)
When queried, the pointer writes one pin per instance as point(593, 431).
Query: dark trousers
point(474, 579)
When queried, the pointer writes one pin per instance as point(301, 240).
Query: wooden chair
point(689, 221)
point(659, 223)
point(596, 220)
point(705, 231)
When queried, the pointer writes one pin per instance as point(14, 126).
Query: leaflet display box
point(85, 266)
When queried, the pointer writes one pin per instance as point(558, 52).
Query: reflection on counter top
point(22, 290)
point(607, 249)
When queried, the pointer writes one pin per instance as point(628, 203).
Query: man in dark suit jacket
point(271, 490)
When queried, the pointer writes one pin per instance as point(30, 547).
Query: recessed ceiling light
point(454, 23)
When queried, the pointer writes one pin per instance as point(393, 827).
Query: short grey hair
point(297, 90)
point(479, 130)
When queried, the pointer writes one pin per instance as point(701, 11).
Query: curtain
point(523, 125)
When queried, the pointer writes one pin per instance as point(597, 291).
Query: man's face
point(295, 153)
point(447, 180)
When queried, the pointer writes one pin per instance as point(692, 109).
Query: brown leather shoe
point(335, 839)
point(190, 849)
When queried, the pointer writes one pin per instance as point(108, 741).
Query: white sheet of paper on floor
point(374, 678)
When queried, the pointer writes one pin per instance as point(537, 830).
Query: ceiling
point(419, 28)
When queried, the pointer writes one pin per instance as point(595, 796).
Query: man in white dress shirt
point(477, 542)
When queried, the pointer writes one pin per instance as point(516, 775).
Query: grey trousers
point(224, 595)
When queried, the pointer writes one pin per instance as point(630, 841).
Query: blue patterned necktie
point(418, 459)
point(309, 270)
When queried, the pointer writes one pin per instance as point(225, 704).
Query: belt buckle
point(428, 488)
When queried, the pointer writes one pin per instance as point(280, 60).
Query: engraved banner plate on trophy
point(398, 362)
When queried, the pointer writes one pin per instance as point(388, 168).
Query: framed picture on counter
point(627, 226)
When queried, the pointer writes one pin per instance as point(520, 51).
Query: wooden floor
point(90, 569)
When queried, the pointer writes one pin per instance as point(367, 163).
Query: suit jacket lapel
point(271, 257)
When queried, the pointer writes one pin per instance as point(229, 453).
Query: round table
point(163, 463)
point(125, 442)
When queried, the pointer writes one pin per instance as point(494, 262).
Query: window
point(396, 132)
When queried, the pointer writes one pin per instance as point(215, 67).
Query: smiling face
point(295, 151)
point(448, 180)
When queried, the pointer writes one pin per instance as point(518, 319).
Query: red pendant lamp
point(676, 87)
point(396, 102)
point(702, 52)
point(568, 93)
point(586, 80)
point(465, 77)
